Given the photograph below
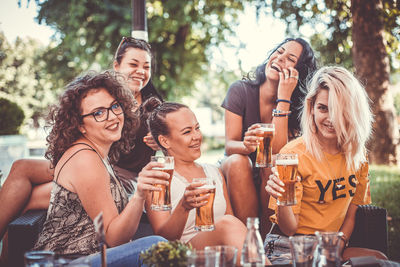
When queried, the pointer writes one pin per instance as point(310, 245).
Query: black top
point(243, 99)
point(140, 155)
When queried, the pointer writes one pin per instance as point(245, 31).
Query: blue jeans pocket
point(277, 248)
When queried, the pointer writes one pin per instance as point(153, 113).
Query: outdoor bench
point(24, 231)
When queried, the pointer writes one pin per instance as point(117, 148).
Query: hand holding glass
point(205, 214)
point(286, 165)
point(264, 148)
point(161, 200)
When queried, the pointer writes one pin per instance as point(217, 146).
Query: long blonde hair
point(349, 113)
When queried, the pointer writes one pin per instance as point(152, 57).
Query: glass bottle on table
point(253, 253)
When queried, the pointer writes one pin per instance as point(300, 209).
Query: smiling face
point(105, 132)
point(320, 111)
point(136, 67)
point(184, 139)
point(284, 57)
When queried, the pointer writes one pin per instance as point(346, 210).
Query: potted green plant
point(12, 144)
point(166, 254)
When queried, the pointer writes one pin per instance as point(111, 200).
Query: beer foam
point(207, 186)
point(163, 168)
point(265, 129)
point(287, 162)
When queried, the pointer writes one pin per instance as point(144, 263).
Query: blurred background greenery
point(385, 188)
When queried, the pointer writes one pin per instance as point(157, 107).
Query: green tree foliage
point(12, 117)
point(23, 78)
point(331, 22)
point(180, 33)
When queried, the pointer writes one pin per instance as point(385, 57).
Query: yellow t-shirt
point(325, 191)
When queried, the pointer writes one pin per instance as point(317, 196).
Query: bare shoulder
point(80, 166)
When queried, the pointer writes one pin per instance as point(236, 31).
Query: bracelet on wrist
point(283, 100)
point(344, 238)
point(281, 113)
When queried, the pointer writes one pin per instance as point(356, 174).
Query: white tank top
point(178, 186)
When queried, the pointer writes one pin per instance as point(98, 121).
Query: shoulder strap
point(106, 165)
point(90, 148)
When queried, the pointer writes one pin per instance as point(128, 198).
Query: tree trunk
point(373, 69)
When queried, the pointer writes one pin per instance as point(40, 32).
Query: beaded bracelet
point(281, 113)
point(283, 100)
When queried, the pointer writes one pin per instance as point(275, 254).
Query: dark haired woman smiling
point(273, 96)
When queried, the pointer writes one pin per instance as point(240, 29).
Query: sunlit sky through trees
point(257, 37)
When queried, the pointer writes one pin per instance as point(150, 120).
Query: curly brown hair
point(66, 117)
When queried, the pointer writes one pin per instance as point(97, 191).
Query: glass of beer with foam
point(264, 148)
point(205, 214)
point(286, 165)
point(161, 200)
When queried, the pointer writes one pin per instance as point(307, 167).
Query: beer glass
point(203, 258)
point(286, 165)
point(39, 258)
point(264, 148)
point(228, 255)
point(161, 200)
point(303, 249)
point(329, 244)
point(205, 214)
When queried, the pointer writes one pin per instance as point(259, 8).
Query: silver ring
point(296, 77)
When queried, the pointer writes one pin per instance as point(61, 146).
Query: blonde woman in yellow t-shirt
point(332, 164)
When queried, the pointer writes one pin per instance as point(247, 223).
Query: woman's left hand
point(288, 79)
point(149, 141)
point(192, 199)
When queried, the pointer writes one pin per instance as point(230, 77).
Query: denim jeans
point(125, 255)
point(277, 248)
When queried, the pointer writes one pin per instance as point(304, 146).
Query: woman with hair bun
point(177, 132)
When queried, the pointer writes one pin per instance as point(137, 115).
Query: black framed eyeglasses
point(101, 114)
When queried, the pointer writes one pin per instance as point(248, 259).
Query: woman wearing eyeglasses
point(28, 184)
point(93, 122)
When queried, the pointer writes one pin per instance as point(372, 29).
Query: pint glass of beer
point(287, 170)
point(264, 148)
point(161, 200)
point(205, 214)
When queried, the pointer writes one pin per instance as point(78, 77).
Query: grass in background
point(385, 193)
